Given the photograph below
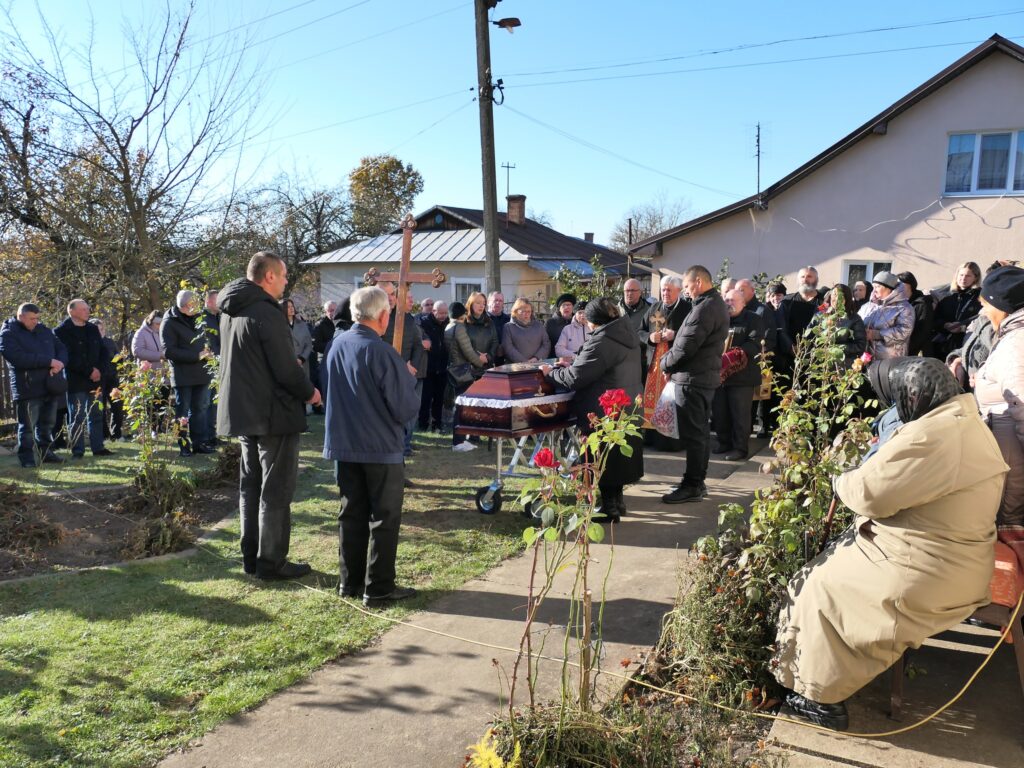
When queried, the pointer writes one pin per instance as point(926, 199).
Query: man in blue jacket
point(33, 355)
point(371, 395)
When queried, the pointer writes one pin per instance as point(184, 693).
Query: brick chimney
point(516, 210)
point(588, 236)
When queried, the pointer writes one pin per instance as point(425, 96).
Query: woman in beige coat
point(918, 558)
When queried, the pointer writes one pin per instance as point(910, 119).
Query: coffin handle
point(539, 410)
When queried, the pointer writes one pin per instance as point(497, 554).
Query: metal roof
point(453, 245)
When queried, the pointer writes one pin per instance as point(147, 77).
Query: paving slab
point(425, 697)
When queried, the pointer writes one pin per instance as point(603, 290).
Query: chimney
point(516, 210)
point(588, 236)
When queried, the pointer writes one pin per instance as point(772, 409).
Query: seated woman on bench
point(918, 558)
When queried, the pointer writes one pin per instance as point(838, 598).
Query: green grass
point(117, 667)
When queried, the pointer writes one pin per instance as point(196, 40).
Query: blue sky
point(588, 69)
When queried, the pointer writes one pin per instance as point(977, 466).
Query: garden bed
point(90, 527)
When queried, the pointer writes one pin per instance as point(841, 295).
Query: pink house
point(934, 180)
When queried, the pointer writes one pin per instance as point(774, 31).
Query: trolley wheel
point(485, 507)
point(528, 511)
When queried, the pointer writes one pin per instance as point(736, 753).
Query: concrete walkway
point(428, 697)
point(420, 699)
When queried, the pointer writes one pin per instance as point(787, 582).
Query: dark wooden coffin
point(512, 401)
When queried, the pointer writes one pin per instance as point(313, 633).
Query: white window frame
point(1016, 135)
point(869, 269)
point(457, 281)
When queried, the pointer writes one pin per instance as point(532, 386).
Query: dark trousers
point(371, 514)
point(694, 411)
point(35, 428)
point(432, 400)
point(193, 402)
point(269, 465)
point(731, 417)
point(113, 416)
point(82, 407)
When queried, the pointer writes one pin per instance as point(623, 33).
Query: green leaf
point(547, 516)
point(595, 532)
point(573, 522)
point(753, 594)
point(530, 536)
point(627, 449)
point(550, 534)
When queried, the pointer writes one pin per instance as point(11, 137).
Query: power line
point(616, 155)
point(747, 65)
point(749, 46)
point(289, 9)
point(432, 125)
point(363, 117)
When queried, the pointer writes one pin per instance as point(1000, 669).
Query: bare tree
point(116, 167)
point(649, 219)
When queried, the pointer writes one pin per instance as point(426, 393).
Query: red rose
point(613, 401)
point(545, 458)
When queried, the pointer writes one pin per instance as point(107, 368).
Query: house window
point(985, 163)
point(463, 287)
point(864, 270)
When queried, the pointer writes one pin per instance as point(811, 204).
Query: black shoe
point(204, 449)
point(682, 495)
point(28, 465)
point(52, 458)
point(832, 716)
point(103, 452)
point(286, 571)
point(720, 449)
point(735, 456)
point(602, 516)
point(185, 453)
point(398, 593)
point(77, 455)
point(408, 483)
point(345, 592)
point(249, 567)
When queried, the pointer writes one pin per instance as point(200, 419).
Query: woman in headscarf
point(918, 558)
point(609, 359)
point(999, 388)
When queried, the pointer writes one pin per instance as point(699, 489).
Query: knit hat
point(564, 298)
point(581, 306)
point(456, 310)
point(1003, 288)
point(888, 279)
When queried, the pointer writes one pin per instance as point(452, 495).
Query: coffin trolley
point(515, 403)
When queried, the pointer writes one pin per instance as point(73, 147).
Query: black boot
point(832, 716)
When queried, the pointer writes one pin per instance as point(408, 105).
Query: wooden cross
point(404, 278)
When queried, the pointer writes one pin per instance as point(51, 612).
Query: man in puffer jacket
point(33, 354)
point(262, 394)
point(890, 322)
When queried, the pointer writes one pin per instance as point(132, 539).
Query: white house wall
point(882, 199)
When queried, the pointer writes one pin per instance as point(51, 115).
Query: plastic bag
point(664, 417)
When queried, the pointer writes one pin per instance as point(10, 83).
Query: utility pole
point(485, 96)
point(757, 153)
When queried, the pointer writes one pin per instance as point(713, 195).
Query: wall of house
point(517, 279)
point(882, 200)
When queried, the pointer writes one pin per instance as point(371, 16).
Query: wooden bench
point(1004, 591)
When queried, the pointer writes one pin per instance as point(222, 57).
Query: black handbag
point(461, 376)
point(56, 384)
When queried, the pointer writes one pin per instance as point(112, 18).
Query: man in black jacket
point(186, 346)
point(211, 324)
point(695, 362)
point(263, 390)
point(634, 307)
point(730, 408)
point(85, 374)
point(432, 400)
point(920, 341)
point(323, 332)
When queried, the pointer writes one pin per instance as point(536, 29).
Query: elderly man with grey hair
point(371, 396)
point(187, 347)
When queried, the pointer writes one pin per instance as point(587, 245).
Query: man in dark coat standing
point(924, 317)
point(634, 308)
point(323, 332)
point(85, 375)
point(263, 390)
point(371, 396)
point(211, 323)
point(695, 363)
point(33, 354)
point(412, 350)
point(730, 408)
point(186, 346)
point(432, 399)
point(496, 310)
